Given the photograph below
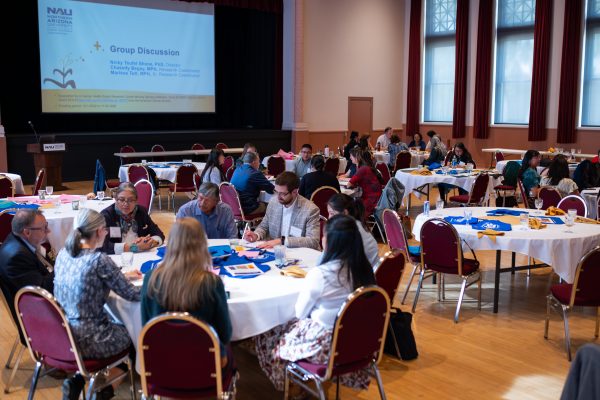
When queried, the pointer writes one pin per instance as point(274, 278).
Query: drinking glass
point(439, 206)
point(445, 170)
point(100, 195)
point(539, 203)
point(49, 190)
point(42, 194)
point(75, 204)
point(569, 222)
point(524, 220)
point(126, 259)
point(468, 214)
point(279, 251)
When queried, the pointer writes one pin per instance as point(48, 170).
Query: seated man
point(302, 164)
point(130, 228)
point(384, 139)
point(248, 182)
point(21, 263)
point(216, 217)
point(290, 218)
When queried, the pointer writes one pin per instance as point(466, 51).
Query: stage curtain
point(413, 98)
point(541, 60)
point(483, 70)
point(569, 73)
point(460, 69)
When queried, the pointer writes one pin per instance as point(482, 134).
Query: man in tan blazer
point(290, 218)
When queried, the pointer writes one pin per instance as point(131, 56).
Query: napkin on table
point(490, 233)
point(584, 220)
point(535, 223)
point(423, 171)
point(555, 211)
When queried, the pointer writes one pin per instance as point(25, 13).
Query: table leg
point(497, 282)
point(513, 262)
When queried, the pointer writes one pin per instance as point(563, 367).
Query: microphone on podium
point(37, 137)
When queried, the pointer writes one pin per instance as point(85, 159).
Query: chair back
point(448, 157)
point(127, 149)
point(184, 178)
point(479, 190)
point(587, 275)
point(499, 156)
point(157, 148)
point(440, 247)
point(550, 196)
point(321, 196)
point(511, 173)
point(394, 231)
point(229, 173)
point(403, 160)
point(332, 165)
point(227, 163)
point(322, 222)
point(275, 165)
point(6, 217)
point(180, 357)
point(48, 333)
point(136, 172)
point(145, 194)
point(198, 146)
point(576, 202)
point(7, 187)
point(524, 196)
point(359, 331)
point(384, 171)
point(598, 208)
point(39, 181)
point(388, 272)
point(229, 196)
point(221, 146)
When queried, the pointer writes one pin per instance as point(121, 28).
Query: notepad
point(243, 269)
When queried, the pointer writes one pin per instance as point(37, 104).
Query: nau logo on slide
point(59, 20)
point(63, 74)
point(59, 11)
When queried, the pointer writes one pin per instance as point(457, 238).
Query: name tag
point(295, 232)
point(115, 232)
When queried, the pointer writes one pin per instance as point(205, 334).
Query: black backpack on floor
point(399, 340)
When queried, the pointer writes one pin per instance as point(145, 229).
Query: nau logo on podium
point(54, 147)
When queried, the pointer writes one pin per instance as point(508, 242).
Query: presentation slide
point(109, 56)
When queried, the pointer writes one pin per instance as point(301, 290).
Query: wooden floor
point(484, 356)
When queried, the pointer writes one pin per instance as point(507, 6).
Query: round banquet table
point(416, 158)
point(562, 251)
point(289, 164)
point(256, 305)
point(165, 171)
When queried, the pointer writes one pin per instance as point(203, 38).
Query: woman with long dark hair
point(528, 173)
point(558, 177)
point(344, 267)
point(351, 144)
point(459, 156)
point(212, 170)
point(417, 142)
point(369, 180)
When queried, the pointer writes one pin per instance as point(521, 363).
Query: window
point(590, 104)
point(514, 61)
point(440, 29)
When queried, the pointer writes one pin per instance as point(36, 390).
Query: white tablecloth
point(165, 174)
point(591, 198)
point(255, 305)
point(551, 245)
point(416, 158)
point(501, 164)
point(289, 164)
point(17, 182)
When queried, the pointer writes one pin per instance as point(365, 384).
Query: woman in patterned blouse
point(83, 279)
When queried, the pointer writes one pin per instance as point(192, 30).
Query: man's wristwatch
point(133, 248)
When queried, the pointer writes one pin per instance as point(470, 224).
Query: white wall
point(353, 48)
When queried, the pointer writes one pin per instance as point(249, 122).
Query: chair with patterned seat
point(275, 165)
point(230, 196)
point(441, 253)
point(184, 183)
point(357, 343)
point(332, 165)
point(477, 195)
point(574, 202)
point(550, 197)
point(321, 196)
point(403, 160)
point(582, 292)
point(51, 342)
point(180, 357)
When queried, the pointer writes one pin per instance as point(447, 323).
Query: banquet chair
point(51, 342)
point(275, 165)
point(145, 193)
point(229, 196)
point(7, 187)
point(229, 173)
point(221, 146)
point(6, 217)
point(524, 195)
point(332, 165)
point(322, 223)
point(19, 342)
point(384, 171)
point(550, 196)
point(477, 195)
point(180, 357)
point(509, 182)
point(499, 156)
point(100, 181)
point(448, 157)
point(574, 202)
point(39, 181)
point(128, 149)
point(227, 163)
point(321, 196)
point(157, 148)
point(403, 160)
point(135, 172)
point(598, 208)
point(398, 240)
point(582, 292)
point(357, 343)
point(198, 146)
point(441, 253)
point(184, 182)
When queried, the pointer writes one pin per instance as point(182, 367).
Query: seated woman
point(344, 268)
point(346, 205)
point(351, 144)
point(395, 147)
point(83, 279)
point(369, 180)
point(417, 142)
point(130, 227)
point(558, 177)
point(355, 157)
point(528, 174)
point(436, 152)
point(365, 142)
point(317, 179)
point(459, 156)
point(212, 170)
point(183, 281)
point(586, 175)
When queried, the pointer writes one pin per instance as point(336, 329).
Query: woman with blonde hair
point(183, 281)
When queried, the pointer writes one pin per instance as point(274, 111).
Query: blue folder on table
point(505, 211)
point(459, 220)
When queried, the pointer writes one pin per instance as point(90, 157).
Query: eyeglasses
point(125, 201)
point(281, 194)
point(40, 228)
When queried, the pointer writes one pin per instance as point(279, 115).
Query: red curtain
point(483, 70)
point(569, 73)
point(460, 69)
point(413, 98)
point(541, 60)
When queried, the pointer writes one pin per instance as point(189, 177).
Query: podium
point(50, 157)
